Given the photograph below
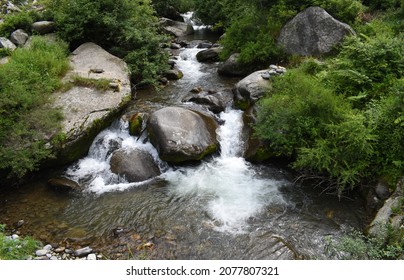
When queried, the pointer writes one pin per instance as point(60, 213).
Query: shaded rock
point(204, 45)
point(43, 27)
point(382, 190)
point(136, 124)
point(64, 184)
point(173, 74)
point(209, 55)
point(175, 46)
point(134, 165)
point(255, 149)
point(231, 67)
point(391, 212)
point(7, 44)
point(313, 32)
point(182, 135)
point(19, 37)
point(215, 102)
point(176, 28)
point(250, 89)
point(87, 111)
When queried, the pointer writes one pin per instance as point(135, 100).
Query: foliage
point(26, 120)
point(344, 10)
point(166, 8)
point(366, 66)
point(21, 20)
point(126, 28)
point(16, 249)
point(306, 121)
point(356, 246)
point(382, 4)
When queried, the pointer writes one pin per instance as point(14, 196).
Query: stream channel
point(222, 208)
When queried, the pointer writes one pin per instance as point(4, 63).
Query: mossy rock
point(136, 124)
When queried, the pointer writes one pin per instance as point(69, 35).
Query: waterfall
point(230, 189)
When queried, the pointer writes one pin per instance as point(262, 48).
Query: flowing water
point(222, 208)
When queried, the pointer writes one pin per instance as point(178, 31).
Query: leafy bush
point(21, 20)
point(355, 245)
point(167, 8)
point(366, 67)
point(126, 28)
point(387, 118)
point(344, 10)
point(25, 119)
point(306, 121)
point(16, 249)
point(382, 4)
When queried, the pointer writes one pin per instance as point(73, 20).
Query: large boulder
point(313, 32)
point(181, 135)
point(209, 55)
point(135, 165)
point(88, 110)
point(7, 44)
point(215, 102)
point(233, 68)
point(250, 89)
point(176, 28)
point(19, 37)
point(43, 27)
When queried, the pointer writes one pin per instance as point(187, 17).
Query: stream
point(222, 208)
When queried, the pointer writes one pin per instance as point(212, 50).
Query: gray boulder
point(209, 55)
point(232, 68)
point(43, 27)
point(313, 32)
point(214, 102)
point(250, 89)
point(19, 37)
point(87, 110)
point(181, 135)
point(390, 216)
point(7, 44)
point(173, 74)
point(64, 184)
point(176, 28)
point(134, 165)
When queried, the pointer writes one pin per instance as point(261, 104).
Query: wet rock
point(175, 46)
point(173, 74)
point(204, 45)
point(233, 68)
point(19, 37)
point(313, 32)
point(43, 27)
point(182, 135)
point(163, 81)
point(83, 252)
point(64, 184)
point(176, 28)
point(7, 44)
point(136, 124)
point(214, 102)
point(209, 55)
point(196, 90)
point(134, 165)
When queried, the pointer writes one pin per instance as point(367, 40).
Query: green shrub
point(306, 121)
point(16, 249)
point(126, 28)
point(344, 10)
point(382, 4)
point(20, 20)
point(26, 120)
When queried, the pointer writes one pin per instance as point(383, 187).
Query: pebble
point(53, 258)
point(60, 250)
point(48, 247)
point(69, 251)
point(14, 236)
point(83, 252)
point(92, 257)
point(20, 223)
point(41, 253)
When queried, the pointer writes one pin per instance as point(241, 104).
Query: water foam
point(228, 186)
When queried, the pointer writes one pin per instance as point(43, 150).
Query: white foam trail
point(94, 171)
point(189, 18)
point(228, 185)
point(189, 66)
